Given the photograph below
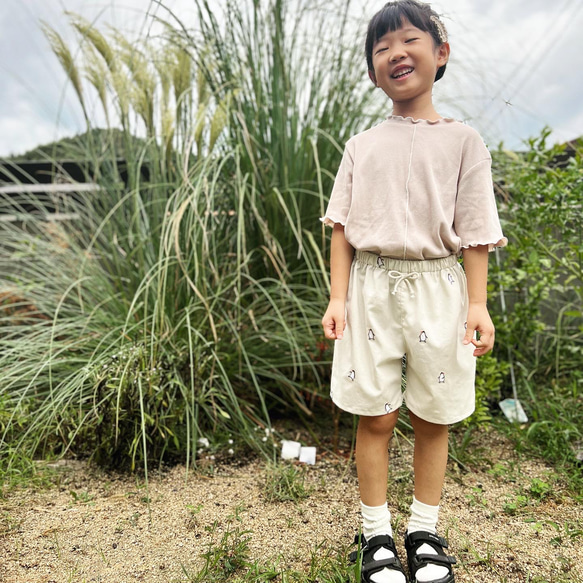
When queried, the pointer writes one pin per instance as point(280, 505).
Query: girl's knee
point(382, 425)
point(426, 428)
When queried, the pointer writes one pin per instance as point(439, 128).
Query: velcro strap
point(380, 540)
point(426, 558)
point(428, 537)
point(353, 556)
point(375, 566)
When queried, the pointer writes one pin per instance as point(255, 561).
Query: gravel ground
point(501, 523)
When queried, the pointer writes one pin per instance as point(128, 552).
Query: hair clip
point(442, 33)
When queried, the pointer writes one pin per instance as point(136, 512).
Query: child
point(410, 196)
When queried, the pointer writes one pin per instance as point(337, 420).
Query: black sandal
point(417, 561)
point(369, 565)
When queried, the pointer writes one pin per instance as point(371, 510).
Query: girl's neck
point(418, 109)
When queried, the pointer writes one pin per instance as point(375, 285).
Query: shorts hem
point(368, 413)
point(434, 420)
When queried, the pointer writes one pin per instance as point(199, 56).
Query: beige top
point(415, 189)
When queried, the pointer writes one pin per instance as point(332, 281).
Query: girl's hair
point(390, 18)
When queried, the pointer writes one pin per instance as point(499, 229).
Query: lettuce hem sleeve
point(330, 221)
point(502, 242)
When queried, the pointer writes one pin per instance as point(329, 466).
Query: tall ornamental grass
point(185, 298)
point(294, 74)
point(120, 362)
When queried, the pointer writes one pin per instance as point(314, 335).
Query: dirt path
point(506, 522)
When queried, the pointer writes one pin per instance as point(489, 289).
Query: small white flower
point(231, 451)
point(231, 442)
point(267, 431)
point(212, 457)
point(203, 441)
point(264, 439)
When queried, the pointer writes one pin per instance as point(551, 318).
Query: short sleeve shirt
point(415, 189)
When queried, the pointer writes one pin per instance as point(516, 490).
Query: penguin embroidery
point(351, 375)
point(380, 262)
point(371, 335)
point(450, 278)
point(388, 408)
point(423, 337)
point(441, 377)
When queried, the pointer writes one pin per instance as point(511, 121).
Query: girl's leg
point(430, 459)
point(429, 463)
point(372, 465)
point(372, 456)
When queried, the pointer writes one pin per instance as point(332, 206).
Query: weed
point(8, 524)
point(192, 522)
point(539, 489)
point(82, 498)
point(194, 510)
point(225, 557)
point(401, 489)
point(506, 471)
point(514, 504)
point(285, 482)
point(237, 511)
point(477, 498)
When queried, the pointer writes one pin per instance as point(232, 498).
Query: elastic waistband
point(404, 265)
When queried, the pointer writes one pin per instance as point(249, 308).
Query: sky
point(516, 65)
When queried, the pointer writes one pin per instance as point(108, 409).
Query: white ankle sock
point(424, 517)
point(377, 520)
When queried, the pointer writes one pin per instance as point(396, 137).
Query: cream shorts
point(414, 308)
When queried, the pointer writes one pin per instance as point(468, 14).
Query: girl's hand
point(334, 320)
point(479, 320)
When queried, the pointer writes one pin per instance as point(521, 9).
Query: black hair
point(390, 18)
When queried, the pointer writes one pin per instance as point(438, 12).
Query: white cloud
point(571, 128)
point(23, 129)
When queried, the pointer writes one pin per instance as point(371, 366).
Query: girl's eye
point(381, 50)
point(410, 40)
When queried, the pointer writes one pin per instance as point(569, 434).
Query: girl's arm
point(476, 268)
point(341, 254)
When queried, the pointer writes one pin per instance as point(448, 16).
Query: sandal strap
point(416, 561)
point(374, 566)
point(421, 536)
point(369, 548)
point(381, 540)
point(424, 559)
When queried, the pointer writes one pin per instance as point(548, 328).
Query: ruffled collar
point(422, 121)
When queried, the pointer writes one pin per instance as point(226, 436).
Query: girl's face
point(405, 62)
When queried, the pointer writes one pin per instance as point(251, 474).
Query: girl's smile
point(402, 72)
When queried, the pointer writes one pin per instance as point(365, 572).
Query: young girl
point(410, 196)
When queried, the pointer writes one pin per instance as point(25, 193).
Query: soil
point(507, 519)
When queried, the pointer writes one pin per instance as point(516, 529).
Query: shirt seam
point(476, 164)
point(407, 193)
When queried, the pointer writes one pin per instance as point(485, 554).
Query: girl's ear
point(443, 54)
point(372, 77)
